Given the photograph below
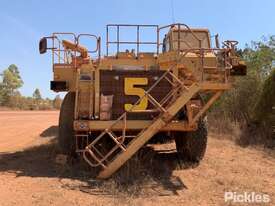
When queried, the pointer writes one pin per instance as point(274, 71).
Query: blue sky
point(23, 23)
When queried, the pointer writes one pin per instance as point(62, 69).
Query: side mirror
point(217, 41)
point(43, 45)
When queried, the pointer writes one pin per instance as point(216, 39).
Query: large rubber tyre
point(192, 145)
point(66, 139)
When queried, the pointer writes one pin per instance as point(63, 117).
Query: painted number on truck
point(131, 89)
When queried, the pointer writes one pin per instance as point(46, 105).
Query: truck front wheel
point(66, 139)
point(192, 145)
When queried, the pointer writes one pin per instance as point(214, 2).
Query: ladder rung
point(144, 111)
point(115, 140)
point(94, 157)
point(208, 67)
point(153, 101)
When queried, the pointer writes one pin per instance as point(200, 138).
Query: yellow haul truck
point(116, 103)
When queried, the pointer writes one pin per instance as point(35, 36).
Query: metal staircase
point(124, 145)
point(149, 132)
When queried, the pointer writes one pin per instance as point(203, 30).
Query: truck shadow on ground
point(153, 174)
point(52, 131)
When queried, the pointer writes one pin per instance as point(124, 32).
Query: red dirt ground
point(20, 129)
point(29, 175)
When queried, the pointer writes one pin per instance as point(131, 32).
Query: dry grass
point(222, 126)
point(147, 167)
point(241, 133)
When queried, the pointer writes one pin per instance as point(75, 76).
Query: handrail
point(98, 42)
point(118, 42)
point(76, 40)
point(59, 50)
point(137, 42)
point(179, 26)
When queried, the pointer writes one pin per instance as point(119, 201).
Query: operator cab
point(179, 38)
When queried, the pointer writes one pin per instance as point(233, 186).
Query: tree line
point(10, 96)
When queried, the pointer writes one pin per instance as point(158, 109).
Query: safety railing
point(118, 42)
point(179, 40)
point(178, 27)
point(63, 55)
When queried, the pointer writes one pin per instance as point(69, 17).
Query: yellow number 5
point(129, 89)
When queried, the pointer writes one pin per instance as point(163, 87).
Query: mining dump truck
point(140, 89)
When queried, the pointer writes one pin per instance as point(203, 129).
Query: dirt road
point(29, 175)
point(20, 129)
